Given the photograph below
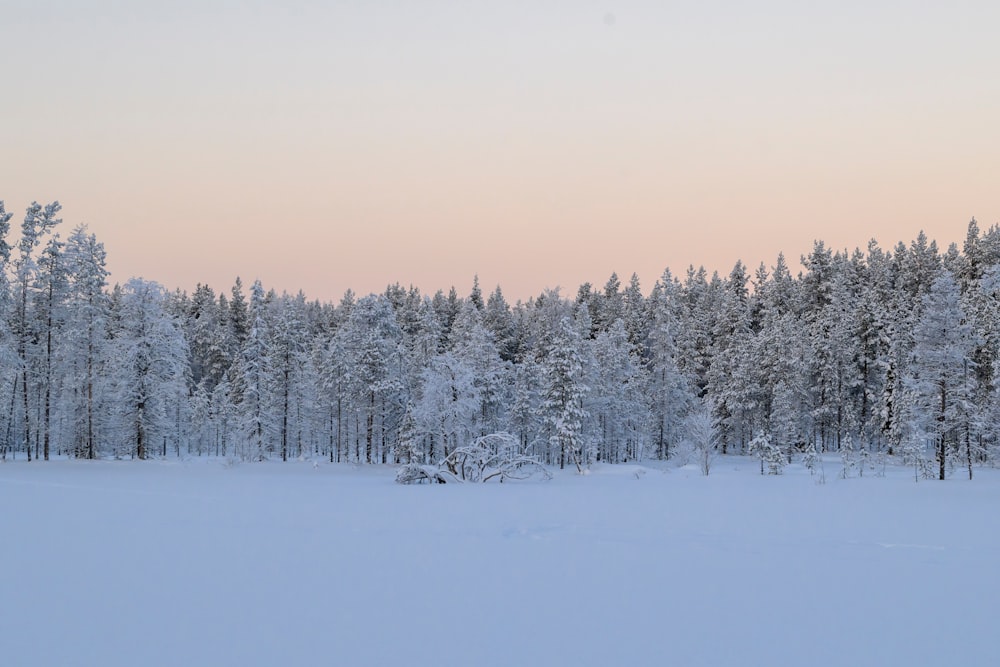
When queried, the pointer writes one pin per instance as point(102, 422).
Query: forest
point(878, 354)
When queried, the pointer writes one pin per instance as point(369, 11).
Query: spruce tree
point(941, 378)
point(564, 393)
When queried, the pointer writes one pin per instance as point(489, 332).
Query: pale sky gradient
point(327, 145)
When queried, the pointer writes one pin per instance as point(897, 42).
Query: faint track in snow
point(929, 547)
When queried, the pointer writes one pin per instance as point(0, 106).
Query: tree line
point(876, 352)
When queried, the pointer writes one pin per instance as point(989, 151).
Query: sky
point(332, 145)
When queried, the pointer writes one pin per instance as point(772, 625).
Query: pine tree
point(238, 319)
point(476, 296)
point(635, 315)
point(847, 459)
point(84, 338)
point(148, 363)
point(729, 378)
point(618, 400)
point(373, 344)
point(942, 371)
point(449, 401)
point(38, 222)
point(8, 358)
point(287, 368)
point(609, 305)
point(497, 318)
point(50, 297)
point(206, 323)
point(564, 393)
point(768, 452)
point(700, 433)
point(255, 427)
point(474, 344)
point(5, 247)
point(669, 394)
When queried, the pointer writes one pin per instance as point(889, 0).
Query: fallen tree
point(414, 473)
point(494, 456)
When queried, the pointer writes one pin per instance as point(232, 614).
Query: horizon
point(794, 264)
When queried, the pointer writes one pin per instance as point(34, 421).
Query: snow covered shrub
point(768, 453)
point(701, 438)
point(493, 456)
point(414, 473)
point(913, 451)
point(810, 457)
point(864, 460)
point(847, 456)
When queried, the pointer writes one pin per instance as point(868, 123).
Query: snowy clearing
point(157, 563)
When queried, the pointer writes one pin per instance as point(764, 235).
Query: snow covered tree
point(148, 362)
point(50, 297)
point(333, 381)
point(287, 372)
point(474, 345)
point(564, 393)
point(769, 454)
point(609, 305)
point(735, 396)
point(635, 315)
point(238, 319)
point(669, 394)
point(206, 329)
point(942, 373)
point(5, 247)
point(787, 417)
point(694, 335)
point(448, 405)
point(847, 458)
point(525, 412)
point(618, 401)
point(497, 318)
point(700, 432)
point(8, 358)
point(372, 344)
point(249, 391)
point(38, 222)
point(83, 349)
point(492, 456)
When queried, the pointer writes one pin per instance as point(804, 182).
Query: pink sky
point(326, 148)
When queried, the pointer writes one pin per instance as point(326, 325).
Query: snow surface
point(168, 563)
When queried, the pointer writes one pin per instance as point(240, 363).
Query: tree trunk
point(370, 427)
point(140, 440)
point(340, 422)
point(941, 437)
point(968, 449)
point(90, 403)
point(48, 379)
point(284, 417)
point(27, 412)
point(10, 423)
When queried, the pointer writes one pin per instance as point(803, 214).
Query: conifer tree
point(147, 368)
point(85, 342)
point(372, 344)
point(942, 373)
point(617, 399)
point(38, 222)
point(669, 394)
point(564, 393)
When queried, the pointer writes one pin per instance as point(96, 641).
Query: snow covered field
point(126, 563)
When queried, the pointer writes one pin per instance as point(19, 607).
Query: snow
point(169, 563)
